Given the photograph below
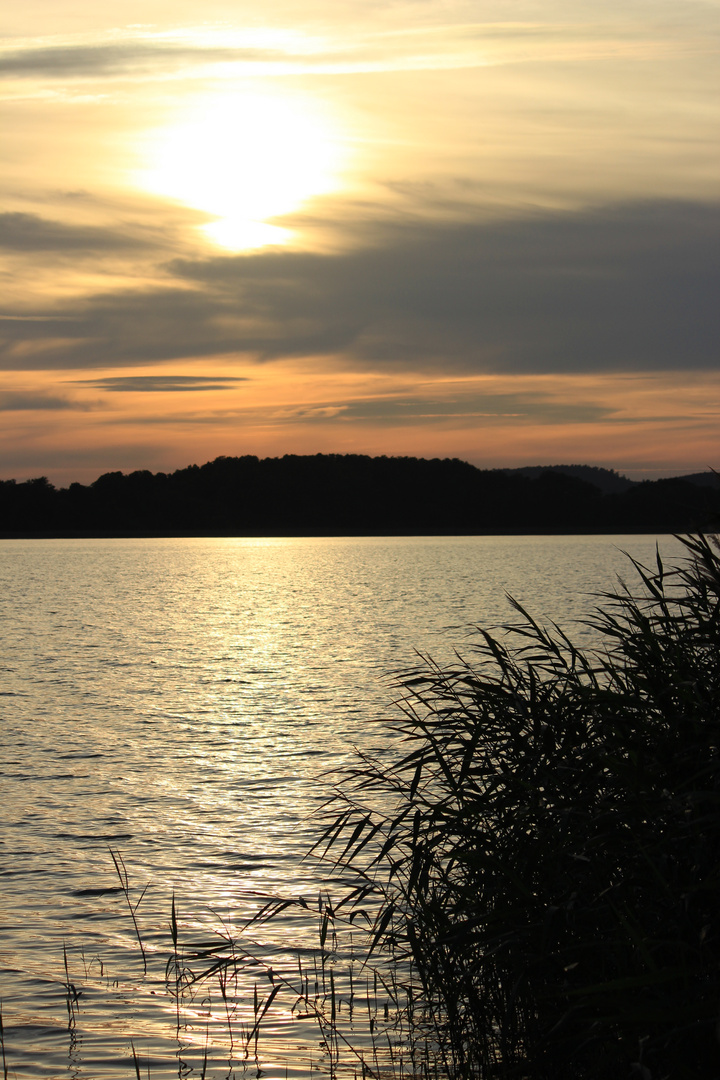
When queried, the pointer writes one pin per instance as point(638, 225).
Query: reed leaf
point(551, 867)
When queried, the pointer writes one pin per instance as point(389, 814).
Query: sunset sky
point(485, 230)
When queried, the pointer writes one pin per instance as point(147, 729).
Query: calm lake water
point(185, 702)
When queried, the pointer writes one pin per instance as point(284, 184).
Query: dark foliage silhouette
point(337, 495)
point(552, 861)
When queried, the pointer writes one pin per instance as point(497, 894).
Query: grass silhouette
point(549, 864)
point(531, 884)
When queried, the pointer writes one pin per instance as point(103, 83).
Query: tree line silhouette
point(353, 494)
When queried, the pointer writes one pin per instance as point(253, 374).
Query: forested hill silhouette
point(351, 494)
point(605, 479)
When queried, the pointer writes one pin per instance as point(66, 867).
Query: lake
point(184, 703)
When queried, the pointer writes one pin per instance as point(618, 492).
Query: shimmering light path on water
point(184, 702)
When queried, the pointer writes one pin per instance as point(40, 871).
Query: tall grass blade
point(122, 874)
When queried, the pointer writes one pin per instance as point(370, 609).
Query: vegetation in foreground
point(551, 864)
point(533, 887)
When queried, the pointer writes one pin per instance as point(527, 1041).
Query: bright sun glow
point(246, 158)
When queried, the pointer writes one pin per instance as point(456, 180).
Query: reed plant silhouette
point(121, 871)
point(530, 876)
point(2, 1047)
point(546, 849)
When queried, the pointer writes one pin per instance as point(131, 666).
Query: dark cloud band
point(629, 288)
point(17, 401)
point(162, 383)
point(31, 233)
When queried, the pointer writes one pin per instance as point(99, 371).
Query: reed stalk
point(546, 849)
point(2, 1046)
point(72, 994)
point(122, 874)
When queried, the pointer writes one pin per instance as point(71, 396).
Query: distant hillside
point(352, 494)
point(606, 480)
point(705, 479)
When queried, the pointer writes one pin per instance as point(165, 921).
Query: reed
point(2, 1047)
point(124, 880)
point(531, 887)
point(72, 994)
point(322, 991)
point(136, 1062)
point(550, 858)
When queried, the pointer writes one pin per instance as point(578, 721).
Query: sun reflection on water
point(187, 702)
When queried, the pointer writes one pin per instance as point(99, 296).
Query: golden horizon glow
point(307, 407)
point(213, 216)
point(246, 157)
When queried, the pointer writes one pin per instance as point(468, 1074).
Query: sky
point(439, 228)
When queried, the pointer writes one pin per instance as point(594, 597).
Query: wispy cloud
point(162, 383)
point(28, 232)
point(18, 401)
point(523, 196)
point(629, 288)
point(411, 37)
point(119, 58)
point(469, 406)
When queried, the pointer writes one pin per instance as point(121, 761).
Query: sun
point(246, 158)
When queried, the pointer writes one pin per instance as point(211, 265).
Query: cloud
point(17, 401)
point(401, 37)
point(469, 408)
point(628, 288)
point(131, 57)
point(625, 288)
point(31, 233)
point(162, 383)
point(469, 405)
